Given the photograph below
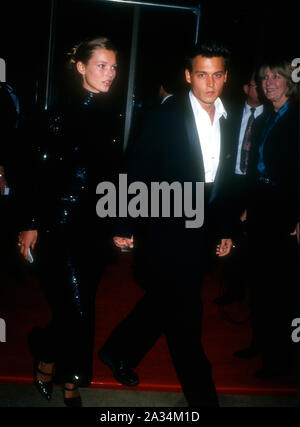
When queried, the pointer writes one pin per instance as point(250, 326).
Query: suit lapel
point(193, 139)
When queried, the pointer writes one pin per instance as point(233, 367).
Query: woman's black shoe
point(72, 402)
point(44, 387)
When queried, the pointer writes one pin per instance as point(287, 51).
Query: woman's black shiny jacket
point(71, 149)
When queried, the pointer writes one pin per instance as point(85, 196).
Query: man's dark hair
point(168, 80)
point(208, 49)
point(248, 72)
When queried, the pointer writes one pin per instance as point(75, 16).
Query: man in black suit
point(242, 118)
point(165, 94)
point(181, 142)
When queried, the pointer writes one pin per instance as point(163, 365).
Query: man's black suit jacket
point(168, 149)
point(234, 123)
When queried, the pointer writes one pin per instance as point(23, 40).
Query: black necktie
point(247, 143)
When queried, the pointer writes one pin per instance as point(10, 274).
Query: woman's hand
point(123, 242)
point(27, 239)
point(3, 182)
point(224, 247)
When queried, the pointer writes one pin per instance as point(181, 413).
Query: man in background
point(235, 268)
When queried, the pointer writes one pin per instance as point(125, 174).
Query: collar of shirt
point(258, 110)
point(198, 109)
point(282, 110)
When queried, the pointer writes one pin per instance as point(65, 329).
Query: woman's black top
point(73, 148)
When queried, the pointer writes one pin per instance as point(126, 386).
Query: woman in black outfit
point(272, 217)
point(75, 148)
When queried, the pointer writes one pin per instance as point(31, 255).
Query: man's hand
point(123, 242)
point(27, 239)
point(224, 248)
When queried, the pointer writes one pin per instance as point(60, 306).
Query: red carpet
point(23, 306)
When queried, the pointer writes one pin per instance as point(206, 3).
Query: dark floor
point(26, 396)
point(12, 395)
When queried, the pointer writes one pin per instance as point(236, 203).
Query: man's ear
point(80, 67)
point(187, 75)
point(246, 89)
point(225, 77)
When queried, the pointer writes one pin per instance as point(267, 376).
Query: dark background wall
point(251, 29)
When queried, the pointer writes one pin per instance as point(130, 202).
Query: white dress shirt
point(209, 135)
point(246, 114)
